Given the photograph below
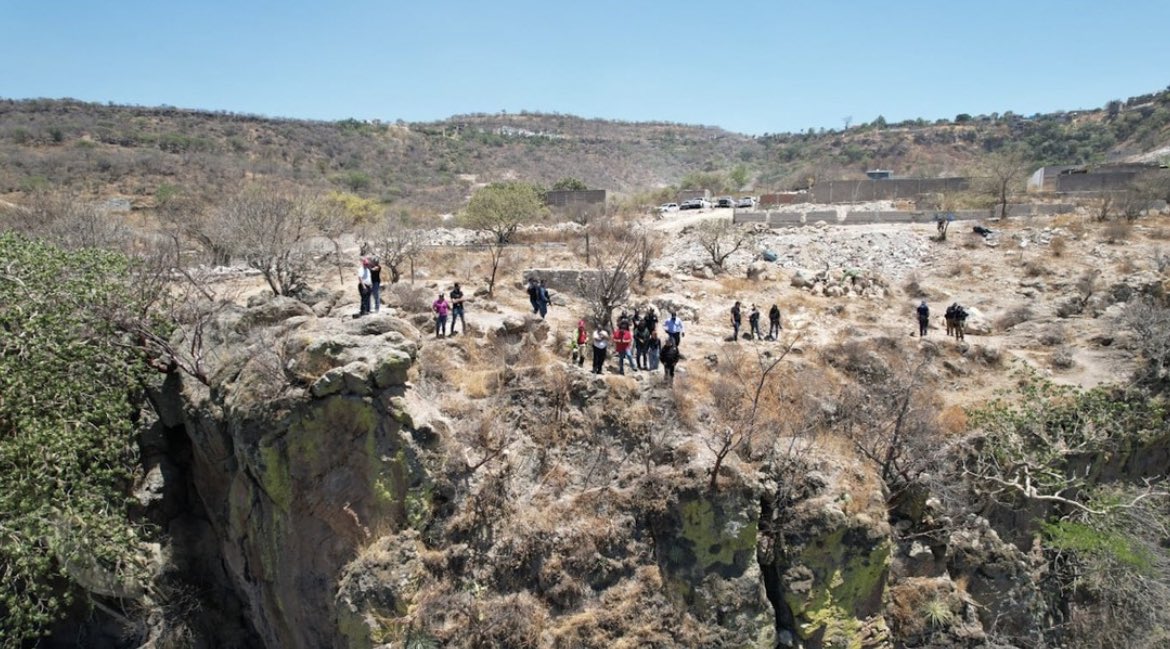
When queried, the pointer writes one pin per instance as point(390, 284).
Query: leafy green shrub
point(66, 434)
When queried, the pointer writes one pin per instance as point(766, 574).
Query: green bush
point(67, 386)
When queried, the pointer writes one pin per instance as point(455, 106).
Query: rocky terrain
point(357, 482)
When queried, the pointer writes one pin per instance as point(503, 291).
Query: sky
point(751, 67)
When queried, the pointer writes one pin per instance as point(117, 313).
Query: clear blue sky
point(752, 67)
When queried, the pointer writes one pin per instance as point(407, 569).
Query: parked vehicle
point(692, 204)
point(746, 201)
point(725, 201)
point(668, 207)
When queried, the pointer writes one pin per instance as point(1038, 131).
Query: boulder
point(802, 278)
point(760, 270)
point(977, 322)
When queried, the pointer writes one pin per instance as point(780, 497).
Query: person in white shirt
point(600, 344)
point(674, 328)
point(365, 286)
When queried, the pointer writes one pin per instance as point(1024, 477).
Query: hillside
point(132, 151)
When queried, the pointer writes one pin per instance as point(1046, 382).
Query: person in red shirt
point(622, 341)
point(582, 338)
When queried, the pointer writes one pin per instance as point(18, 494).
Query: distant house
point(1073, 179)
point(879, 174)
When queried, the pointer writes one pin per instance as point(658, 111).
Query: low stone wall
point(789, 219)
point(562, 280)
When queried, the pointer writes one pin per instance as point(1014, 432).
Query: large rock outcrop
point(300, 457)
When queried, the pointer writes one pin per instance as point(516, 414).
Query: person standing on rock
point(736, 321)
point(543, 298)
point(364, 286)
point(923, 318)
point(774, 323)
point(623, 340)
point(754, 323)
point(534, 294)
point(674, 329)
point(641, 344)
point(441, 308)
point(600, 345)
point(375, 284)
point(581, 339)
point(457, 309)
point(670, 358)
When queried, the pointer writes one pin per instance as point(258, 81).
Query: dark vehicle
point(725, 202)
point(690, 205)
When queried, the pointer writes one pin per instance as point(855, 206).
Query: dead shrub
point(1053, 335)
point(1057, 246)
point(1014, 317)
point(1035, 268)
point(1117, 231)
point(953, 420)
point(1063, 359)
point(408, 298)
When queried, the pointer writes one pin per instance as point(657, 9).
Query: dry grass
point(1116, 231)
point(1057, 246)
point(733, 285)
point(953, 420)
point(1014, 317)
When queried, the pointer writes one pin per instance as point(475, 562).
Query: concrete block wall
point(749, 217)
point(785, 219)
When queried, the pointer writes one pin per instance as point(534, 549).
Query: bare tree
point(396, 243)
point(720, 238)
point(187, 216)
point(271, 231)
point(608, 285)
point(741, 397)
point(647, 250)
point(336, 215)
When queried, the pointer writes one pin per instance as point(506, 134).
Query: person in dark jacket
point(754, 323)
point(923, 318)
point(774, 323)
point(641, 345)
point(534, 294)
point(669, 357)
point(457, 309)
point(736, 321)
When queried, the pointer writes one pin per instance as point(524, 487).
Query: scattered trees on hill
point(66, 220)
point(337, 214)
point(608, 287)
point(396, 242)
point(499, 210)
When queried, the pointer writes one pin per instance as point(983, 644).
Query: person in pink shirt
point(441, 308)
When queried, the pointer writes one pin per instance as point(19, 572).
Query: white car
point(746, 201)
point(668, 207)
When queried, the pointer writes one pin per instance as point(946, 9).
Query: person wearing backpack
point(543, 299)
point(641, 345)
point(774, 323)
point(736, 321)
point(670, 358)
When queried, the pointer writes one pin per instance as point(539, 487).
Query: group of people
point(955, 317)
point(774, 326)
point(635, 342)
point(442, 308)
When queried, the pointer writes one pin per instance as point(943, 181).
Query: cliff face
point(298, 457)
